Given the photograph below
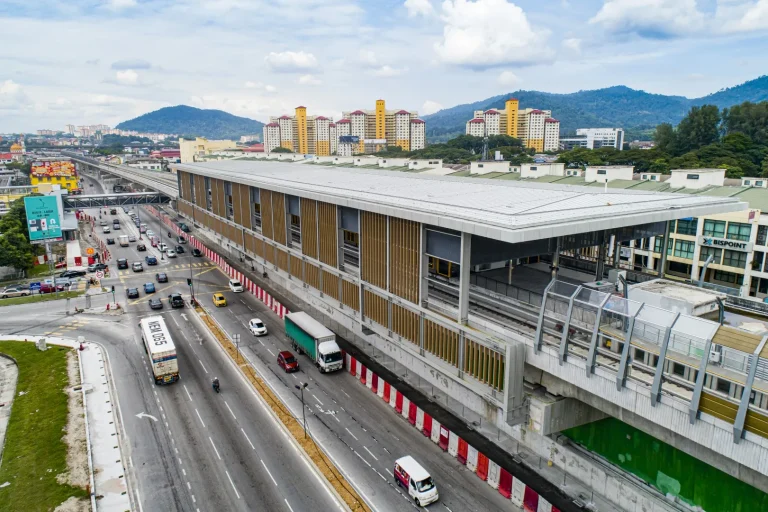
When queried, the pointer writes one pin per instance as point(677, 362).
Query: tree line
point(15, 249)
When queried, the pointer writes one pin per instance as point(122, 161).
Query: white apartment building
point(271, 136)
point(418, 134)
point(551, 134)
point(536, 128)
point(602, 137)
point(381, 127)
point(285, 125)
point(403, 129)
point(333, 137)
point(476, 127)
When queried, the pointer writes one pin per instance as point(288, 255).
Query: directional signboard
point(43, 219)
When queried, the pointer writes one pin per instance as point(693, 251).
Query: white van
point(421, 487)
point(236, 286)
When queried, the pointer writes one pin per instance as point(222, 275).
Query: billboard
point(43, 219)
point(55, 168)
point(349, 139)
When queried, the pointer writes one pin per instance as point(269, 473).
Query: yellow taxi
point(219, 300)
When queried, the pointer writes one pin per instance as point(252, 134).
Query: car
point(143, 228)
point(141, 247)
point(196, 253)
point(287, 362)
point(132, 293)
point(103, 223)
point(150, 232)
point(181, 240)
point(110, 241)
point(113, 211)
point(138, 267)
point(97, 266)
point(176, 300)
point(155, 303)
point(161, 277)
point(219, 300)
point(116, 227)
point(236, 286)
point(106, 229)
point(150, 260)
point(162, 246)
point(122, 263)
point(14, 291)
point(125, 210)
point(179, 249)
point(257, 327)
point(149, 287)
point(184, 228)
point(50, 288)
point(72, 273)
point(153, 241)
point(131, 238)
point(170, 253)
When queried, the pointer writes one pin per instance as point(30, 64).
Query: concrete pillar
point(616, 252)
point(511, 268)
point(662, 266)
point(514, 393)
point(423, 268)
point(600, 258)
point(466, 251)
point(555, 258)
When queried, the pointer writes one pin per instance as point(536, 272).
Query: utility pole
point(303, 414)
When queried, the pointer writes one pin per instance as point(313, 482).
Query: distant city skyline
point(259, 59)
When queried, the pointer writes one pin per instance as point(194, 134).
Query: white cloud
point(253, 85)
point(12, 97)
point(508, 79)
point(291, 62)
point(309, 80)
point(651, 18)
point(430, 107)
point(573, 44)
point(127, 77)
point(488, 33)
point(389, 71)
point(260, 86)
point(418, 7)
point(270, 88)
point(754, 18)
point(117, 5)
point(368, 58)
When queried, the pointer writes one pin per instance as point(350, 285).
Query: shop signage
point(724, 243)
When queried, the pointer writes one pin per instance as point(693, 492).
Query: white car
point(236, 286)
point(106, 229)
point(162, 246)
point(257, 327)
point(150, 233)
point(170, 253)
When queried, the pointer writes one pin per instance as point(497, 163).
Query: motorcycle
point(215, 386)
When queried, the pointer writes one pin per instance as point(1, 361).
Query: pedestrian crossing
point(167, 268)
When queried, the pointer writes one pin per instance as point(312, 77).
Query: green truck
point(312, 338)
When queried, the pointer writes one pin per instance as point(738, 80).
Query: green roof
point(459, 173)
point(487, 175)
point(756, 197)
point(514, 176)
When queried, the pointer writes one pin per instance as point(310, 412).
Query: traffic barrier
point(374, 383)
point(493, 474)
point(505, 483)
point(393, 397)
point(387, 391)
point(461, 454)
point(530, 500)
point(435, 431)
point(518, 492)
point(369, 378)
point(363, 374)
point(471, 461)
point(443, 434)
point(399, 402)
point(380, 391)
point(406, 407)
point(482, 467)
point(353, 366)
point(419, 421)
point(453, 444)
point(426, 429)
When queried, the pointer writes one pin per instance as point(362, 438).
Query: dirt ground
point(74, 437)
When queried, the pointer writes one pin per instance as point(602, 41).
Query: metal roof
point(512, 211)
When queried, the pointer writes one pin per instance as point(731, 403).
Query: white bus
point(159, 346)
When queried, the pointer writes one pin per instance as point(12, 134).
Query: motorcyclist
point(216, 384)
point(169, 234)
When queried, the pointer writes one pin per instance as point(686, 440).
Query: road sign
point(34, 287)
point(43, 219)
point(99, 274)
point(89, 251)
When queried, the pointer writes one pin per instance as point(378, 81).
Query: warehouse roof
point(513, 211)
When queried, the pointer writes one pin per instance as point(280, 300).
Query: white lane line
point(180, 461)
point(201, 364)
point(369, 451)
point(270, 474)
point(174, 321)
point(273, 354)
point(362, 459)
point(200, 417)
point(318, 400)
point(346, 393)
point(350, 433)
point(262, 343)
point(230, 410)
point(233, 484)
point(294, 376)
point(193, 499)
point(184, 471)
point(185, 389)
point(289, 505)
point(247, 439)
point(189, 486)
point(214, 447)
point(336, 418)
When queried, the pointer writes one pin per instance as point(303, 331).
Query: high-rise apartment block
point(375, 129)
point(536, 128)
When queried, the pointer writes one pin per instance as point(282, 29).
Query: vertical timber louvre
point(374, 249)
point(296, 267)
point(350, 295)
point(484, 364)
point(282, 260)
point(405, 323)
point(278, 218)
point(200, 193)
point(266, 214)
point(329, 238)
point(312, 275)
point(404, 246)
point(376, 308)
point(331, 284)
point(309, 227)
point(442, 342)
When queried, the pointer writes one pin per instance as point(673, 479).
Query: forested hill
point(619, 106)
point(185, 120)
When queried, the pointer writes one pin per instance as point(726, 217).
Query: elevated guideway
point(163, 182)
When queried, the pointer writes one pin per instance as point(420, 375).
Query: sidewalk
point(108, 473)
point(9, 372)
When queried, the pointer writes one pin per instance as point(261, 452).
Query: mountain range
point(638, 112)
point(191, 121)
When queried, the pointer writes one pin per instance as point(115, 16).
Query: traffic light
point(189, 281)
point(113, 288)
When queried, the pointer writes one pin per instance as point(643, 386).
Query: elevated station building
point(456, 282)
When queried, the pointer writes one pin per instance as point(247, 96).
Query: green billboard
point(43, 219)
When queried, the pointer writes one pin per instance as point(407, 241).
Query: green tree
point(280, 149)
point(699, 128)
point(764, 173)
point(665, 138)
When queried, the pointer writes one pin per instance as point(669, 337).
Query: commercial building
point(193, 150)
point(594, 138)
point(536, 128)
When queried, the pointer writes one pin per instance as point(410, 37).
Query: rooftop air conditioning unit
point(715, 356)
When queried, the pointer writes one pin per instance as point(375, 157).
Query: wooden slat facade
point(278, 217)
point(373, 241)
point(405, 323)
point(376, 308)
point(484, 364)
point(269, 253)
point(331, 284)
point(350, 295)
point(442, 342)
point(282, 260)
point(297, 265)
point(718, 407)
point(266, 214)
point(757, 423)
point(309, 227)
point(200, 192)
point(329, 239)
point(312, 275)
point(181, 176)
point(404, 246)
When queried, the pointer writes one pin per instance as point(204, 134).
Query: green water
point(668, 469)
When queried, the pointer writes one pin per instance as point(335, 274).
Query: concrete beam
point(693, 408)
point(466, 251)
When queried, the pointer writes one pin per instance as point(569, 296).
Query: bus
point(160, 349)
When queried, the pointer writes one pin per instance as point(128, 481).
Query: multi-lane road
point(192, 449)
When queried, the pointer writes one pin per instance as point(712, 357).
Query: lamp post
point(303, 415)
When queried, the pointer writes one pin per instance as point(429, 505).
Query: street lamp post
point(236, 337)
point(303, 415)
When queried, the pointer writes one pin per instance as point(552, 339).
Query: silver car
point(14, 291)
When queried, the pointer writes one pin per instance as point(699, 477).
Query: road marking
point(174, 321)
point(180, 461)
point(214, 447)
point(233, 484)
point(262, 343)
point(185, 389)
point(289, 505)
point(200, 417)
point(346, 393)
point(193, 499)
point(362, 459)
point(318, 400)
point(273, 354)
point(247, 439)
point(230, 410)
point(369, 451)
point(270, 474)
point(201, 364)
point(350, 433)
point(189, 486)
point(184, 471)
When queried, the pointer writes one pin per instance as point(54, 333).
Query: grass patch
point(42, 297)
point(35, 451)
point(42, 270)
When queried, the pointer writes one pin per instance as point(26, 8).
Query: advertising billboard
point(55, 168)
point(349, 139)
point(43, 218)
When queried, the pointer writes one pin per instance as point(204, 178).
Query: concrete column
point(514, 395)
point(600, 259)
point(466, 251)
point(663, 264)
point(423, 268)
point(555, 259)
point(616, 252)
point(511, 268)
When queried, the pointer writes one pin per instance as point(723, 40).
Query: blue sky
point(104, 61)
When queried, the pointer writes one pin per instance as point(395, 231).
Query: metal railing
point(508, 290)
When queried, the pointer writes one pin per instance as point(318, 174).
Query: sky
point(105, 61)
